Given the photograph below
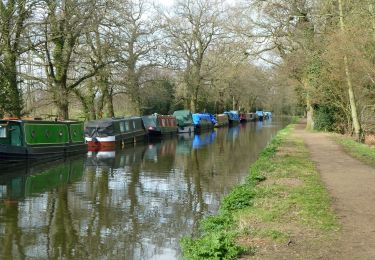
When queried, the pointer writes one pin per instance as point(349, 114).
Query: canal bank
point(281, 210)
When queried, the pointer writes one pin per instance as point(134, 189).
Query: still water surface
point(130, 204)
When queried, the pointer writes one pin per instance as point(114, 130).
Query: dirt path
point(351, 184)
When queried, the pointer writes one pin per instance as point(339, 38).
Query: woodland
point(90, 59)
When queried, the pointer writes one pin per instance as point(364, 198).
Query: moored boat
point(221, 120)
point(260, 115)
point(184, 121)
point(109, 133)
point(160, 124)
point(38, 139)
point(252, 116)
point(245, 117)
point(268, 115)
point(233, 116)
point(203, 122)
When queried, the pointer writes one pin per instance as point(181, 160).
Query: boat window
point(3, 131)
point(127, 127)
point(15, 135)
point(122, 127)
point(134, 127)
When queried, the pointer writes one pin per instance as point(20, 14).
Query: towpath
point(351, 185)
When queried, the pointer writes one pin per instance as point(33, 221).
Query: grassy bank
point(282, 200)
point(362, 152)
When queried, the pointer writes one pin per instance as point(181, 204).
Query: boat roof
point(105, 122)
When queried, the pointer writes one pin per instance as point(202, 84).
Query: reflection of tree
point(11, 240)
point(63, 238)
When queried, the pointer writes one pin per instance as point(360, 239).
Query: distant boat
point(221, 120)
point(203, 121)
point(160, 124)
point(260, 115)
point(246, 117)
point(268, 115)
point(38, 139)
point(106, 134)
point(233, 116)
point(252, 116)
point(184, 121)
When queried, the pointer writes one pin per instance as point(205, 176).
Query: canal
point(135, 203)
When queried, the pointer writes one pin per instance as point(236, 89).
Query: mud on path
point(351, 184)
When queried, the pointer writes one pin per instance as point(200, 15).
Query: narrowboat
point(38, 139)
point(184, 121)
point(268, 115)
point(109, 133)
point(252, 116)
point(203, 122)
point(157, 125)
point(260, 115)
point(221, 120)
point(245, 117)
point(233, 116)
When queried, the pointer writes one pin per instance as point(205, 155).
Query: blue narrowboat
point(233, 116)
point(203, 121)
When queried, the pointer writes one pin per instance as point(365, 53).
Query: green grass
point(291, 199)
point(360, 151)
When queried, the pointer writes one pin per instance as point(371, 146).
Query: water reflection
point(128, 204)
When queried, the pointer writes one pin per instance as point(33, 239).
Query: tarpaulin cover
point(233, 115)
point(197, 117)
point(183, 117)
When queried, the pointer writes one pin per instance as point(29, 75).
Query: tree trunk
point(353, 106)
point(62, 101)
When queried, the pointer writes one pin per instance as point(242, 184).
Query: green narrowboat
point(184, 121)
point(38, 139)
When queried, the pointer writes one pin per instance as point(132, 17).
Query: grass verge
point(282, 199)
point(363, 152)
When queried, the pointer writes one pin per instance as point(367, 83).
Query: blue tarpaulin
point(197, 117)
point(233, 115)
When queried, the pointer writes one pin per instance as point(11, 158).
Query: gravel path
point(351, 185)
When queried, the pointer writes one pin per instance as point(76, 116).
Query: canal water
point(136, 203)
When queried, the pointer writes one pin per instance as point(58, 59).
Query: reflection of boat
point(160, 124)
point(36, 139)
point(184, 144)
point(115, 159)
point(203, 139)
point(233, 132)
point(184, 121)
point(40, 178)
point(233, 116)
point(203, 121)
point(105, 134)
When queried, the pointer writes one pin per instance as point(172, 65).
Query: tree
point(191, 30)
point(13, 17)
point(65, 22)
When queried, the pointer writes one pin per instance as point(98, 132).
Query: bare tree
point(192, 29)
point(13, 18)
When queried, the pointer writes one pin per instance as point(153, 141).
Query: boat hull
point(13, 153)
